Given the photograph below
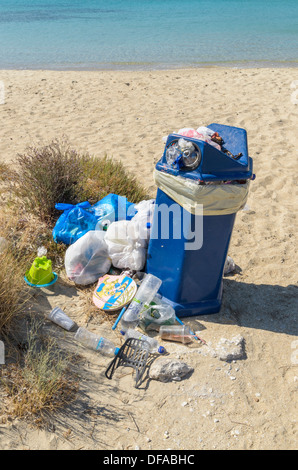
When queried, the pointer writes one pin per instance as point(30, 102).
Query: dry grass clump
point(46, 175)
point(5, 171)
point(13, 293)
point(14, 260)
point(42, 383)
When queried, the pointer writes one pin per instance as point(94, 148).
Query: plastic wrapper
point(188, 132)
point(158, 313)
point(204, 133)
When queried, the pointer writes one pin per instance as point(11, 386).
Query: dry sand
point(245, 404)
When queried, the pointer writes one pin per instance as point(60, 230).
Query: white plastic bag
point(141, 222)
point(127, 240)
point(205, 134)
point(87, 259)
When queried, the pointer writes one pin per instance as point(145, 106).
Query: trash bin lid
point(215, 165)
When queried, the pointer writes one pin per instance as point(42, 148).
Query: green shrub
point(103, 176)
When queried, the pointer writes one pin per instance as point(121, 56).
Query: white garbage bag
point(87, 259)
point(127, 240)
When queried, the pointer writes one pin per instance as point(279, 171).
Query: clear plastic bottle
point(144, 295)
point(95, 342)
point(152, 343)
point(172, 154)
point(179, 333)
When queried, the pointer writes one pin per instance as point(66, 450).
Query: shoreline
point(154, 67)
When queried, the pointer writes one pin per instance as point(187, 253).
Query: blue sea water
point(142, 34)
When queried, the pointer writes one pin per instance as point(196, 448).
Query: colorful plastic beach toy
point(114, 292)
point(40, 274)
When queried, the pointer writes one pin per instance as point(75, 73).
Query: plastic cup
point(60, 318)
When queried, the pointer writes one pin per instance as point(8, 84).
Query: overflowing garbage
point(138, 345)
point(185, 153)
point(114, 234)
point(76, 220)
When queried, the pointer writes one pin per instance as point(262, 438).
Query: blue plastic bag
point(79, 219)
point(75, 221)
point(112, 208)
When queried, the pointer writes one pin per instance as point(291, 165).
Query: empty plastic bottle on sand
point(179, 333)
point(95, 342)
point(150, 343)
point(144, 295)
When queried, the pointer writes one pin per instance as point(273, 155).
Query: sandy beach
point(250, 403)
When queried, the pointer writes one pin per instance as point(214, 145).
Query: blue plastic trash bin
point(194, 217)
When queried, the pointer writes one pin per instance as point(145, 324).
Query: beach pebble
point(229, 265)
point(166, 369)
point(229, 350)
